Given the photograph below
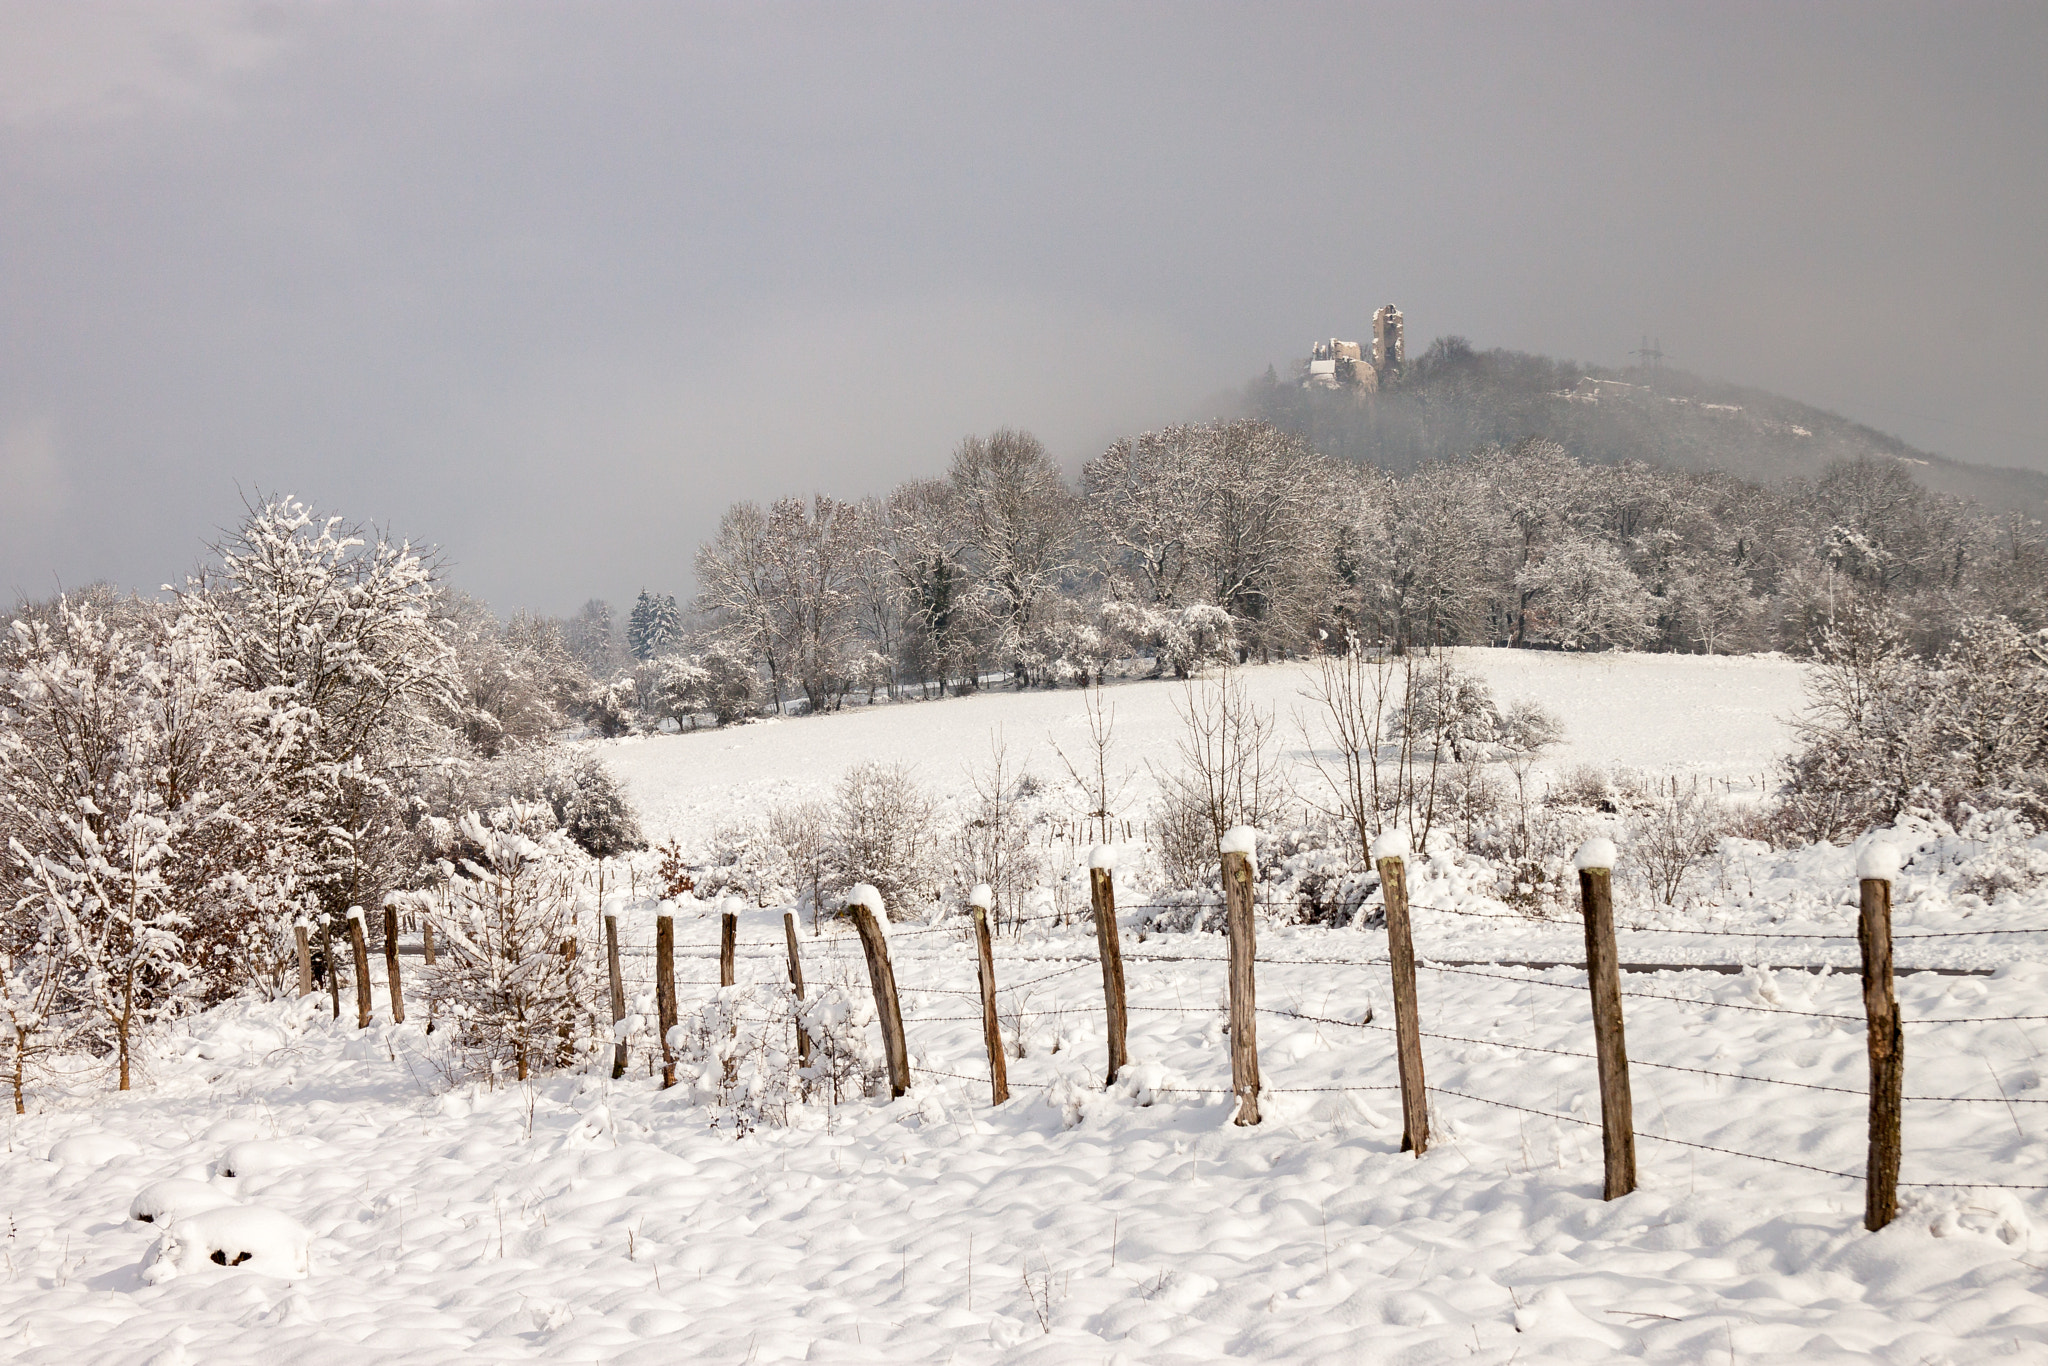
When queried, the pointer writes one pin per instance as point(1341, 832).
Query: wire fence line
point(840, 948)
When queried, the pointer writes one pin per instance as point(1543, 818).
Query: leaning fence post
point(1603, 974)
point(1390, 851)
point(1876, 867)
point(865, 905)
point(796, 984)
point(618, 985)
point(1102, 892)
point(305, 958)
point(1237, 846)
point(359, 948)
point(391, 965)
point(665, 989)
point(979, 900)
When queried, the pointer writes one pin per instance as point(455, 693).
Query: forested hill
point(1452, 399)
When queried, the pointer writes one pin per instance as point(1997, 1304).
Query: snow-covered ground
point(586, 1220)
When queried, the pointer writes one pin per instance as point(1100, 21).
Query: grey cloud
point(550, 285)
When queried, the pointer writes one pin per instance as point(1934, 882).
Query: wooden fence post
point(359, 949)
point(665, 991)
point(618, 985)
point(1390, 852)
point(391, 965)
point(427, 941)
point(728, 941)
point(865, 905)
point(305, 958)
point(991, 1032)
point(1603, 974)
point(1102, 891)
point(1876, 867)
point(796, 984)
point(1244, 1037)
point(327, 962)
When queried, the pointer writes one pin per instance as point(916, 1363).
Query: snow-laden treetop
point(1878, 859)
point(1102, 856)
point(1390, 843)
point(1597, 852)
point(982, 895)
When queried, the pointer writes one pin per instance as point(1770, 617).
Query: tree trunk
point(121, 1026)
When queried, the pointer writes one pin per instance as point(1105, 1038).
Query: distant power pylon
point(1650, 353)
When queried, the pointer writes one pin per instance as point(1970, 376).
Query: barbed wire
point(1659, 1138)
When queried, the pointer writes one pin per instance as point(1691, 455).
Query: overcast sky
point(550, 285)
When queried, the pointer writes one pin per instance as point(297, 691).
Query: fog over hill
point(1453, 398)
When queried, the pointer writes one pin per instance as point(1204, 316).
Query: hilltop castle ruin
point(1338, 364)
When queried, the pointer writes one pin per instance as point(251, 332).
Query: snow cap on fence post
point(1390, 843)
point(1597, 852)
point(355, 913)
point(1241, 839)
point(1102, 856)
point(1878, 861)
point(868, 895)
point(982, 895)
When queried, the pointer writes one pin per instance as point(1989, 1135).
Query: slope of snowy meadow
point(582, 1219)
point(1718, 717)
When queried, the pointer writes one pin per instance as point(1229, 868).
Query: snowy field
point(1711, 717)
point(586, 1220)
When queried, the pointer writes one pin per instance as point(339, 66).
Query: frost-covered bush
point(886, 832)
point(513, 992)
point(845, 1063)
point(737, 1053)
point(575, 787)
point(1885, 730)
point(2005, 871)
point(746, 861)
point(1670, 837)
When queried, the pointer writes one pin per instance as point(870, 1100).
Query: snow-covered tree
point(149, 838)
point(1584, 596)
point(655, 627)
point(344, 630)
point(513, 992)
point(1019, 519)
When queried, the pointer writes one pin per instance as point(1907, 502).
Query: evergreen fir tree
point(656, 625)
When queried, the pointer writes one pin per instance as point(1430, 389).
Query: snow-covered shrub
point(512, 991)
point(1183, 841)
point(844, 1063)
point(804, 832)
point(151, 856)
point(1314, 875)
point(993, 846)
point(591, 805)
point(1885, 730)
point(1671, 836)
point(738, 1053)
point(886, 829)
point(747, 862)
point(2005, 871)
point(1228, 776)
point(166, 1201)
